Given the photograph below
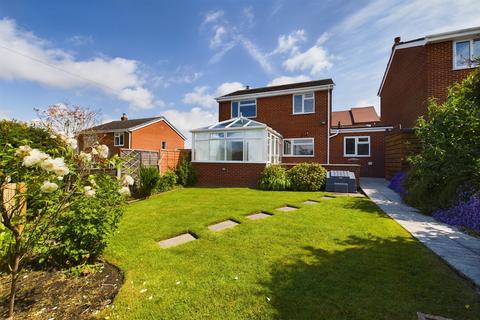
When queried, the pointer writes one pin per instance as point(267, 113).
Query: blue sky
point(147, 58)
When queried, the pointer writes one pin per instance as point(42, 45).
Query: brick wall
point(150, 137)
point(376, 159)
point(228, 174)
point(106, 139)
point(277, 113)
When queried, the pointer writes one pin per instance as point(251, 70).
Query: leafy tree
point(449, 163)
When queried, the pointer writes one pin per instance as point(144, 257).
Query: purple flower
point(396, 183)
point(465, 213)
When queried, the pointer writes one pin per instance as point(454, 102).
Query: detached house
point(284, 124)
point(152, 134)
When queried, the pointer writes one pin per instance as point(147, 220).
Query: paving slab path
point(461, 251)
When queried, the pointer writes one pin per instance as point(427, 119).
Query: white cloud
point(217, 40)
point(249, 15)
point(289, 43)
point(80, 40)
point(202, 97)
point(256, 54)
point(287, 79)
point(323, 38)
point(28, 57)
point(188, 120)
point(212, 16)
point(314, 60)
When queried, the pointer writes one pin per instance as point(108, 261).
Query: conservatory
point(237, 140)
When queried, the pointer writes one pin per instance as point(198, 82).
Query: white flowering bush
point(69, 213)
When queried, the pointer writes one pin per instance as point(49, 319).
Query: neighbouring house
point(155, 134)
point(284, 124)
point(418, 70)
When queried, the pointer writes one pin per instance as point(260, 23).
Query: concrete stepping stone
point(286, 208)
point(258, 216)
point(175, 241)
point(310, 202)
point(223, 225)
point(327, 198)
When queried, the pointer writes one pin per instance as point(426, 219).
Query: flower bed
point(464, 213)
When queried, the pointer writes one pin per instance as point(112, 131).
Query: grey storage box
point(341, 181)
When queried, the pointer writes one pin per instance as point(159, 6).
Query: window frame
point(292, 145)
point(118, 135)
point(162, 144)
point(238, 111)
point(303, 102)
point(356, 147)
point(471, 64)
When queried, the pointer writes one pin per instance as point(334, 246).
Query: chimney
point(247, 87)
point(397, 40)
point(124, 117)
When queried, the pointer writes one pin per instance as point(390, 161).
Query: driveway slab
point(223, 225)
point(175, 241)
point(461, 251)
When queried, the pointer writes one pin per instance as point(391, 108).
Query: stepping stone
point(424, 316)
point(259, 215)
point(286, 208)
point(175, 241)
point(327, 198)
point(310, 202)
point(223, 225)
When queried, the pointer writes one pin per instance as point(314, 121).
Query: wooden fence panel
point(399, 145)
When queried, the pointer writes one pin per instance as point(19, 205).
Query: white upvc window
point(304, 103)
point(244, 108)
point(118, 139)
point(465, 52)
point(356, 146)
point(300, 147)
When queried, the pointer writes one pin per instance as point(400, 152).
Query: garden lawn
point(338, 259)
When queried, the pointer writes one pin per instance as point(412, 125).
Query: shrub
point(274, 177)
point(83, 232)
point(167, 181)
point(449, 161)
point(186, 173)
point(307, 177)
point(148, 181)
point(464, 213)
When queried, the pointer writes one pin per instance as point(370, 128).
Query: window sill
point(302, 113)
point(355, 156)
point(466, 67)
point(118, 145)
point(298, 156)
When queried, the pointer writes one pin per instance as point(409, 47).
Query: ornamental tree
point(38, 183)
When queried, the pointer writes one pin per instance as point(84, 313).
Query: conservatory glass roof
point(240, 122)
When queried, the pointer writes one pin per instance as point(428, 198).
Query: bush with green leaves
point(186, 174)
point(449, 163)
point(307, 177)
point(167, 181)
point(149, 178)
point(274, 177)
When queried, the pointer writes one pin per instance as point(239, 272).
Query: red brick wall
point(150, 137)
point(404, 94)
point(106, 139)
point(277, 113)
point(440, 74)
point(228, 174)
point(377, 154)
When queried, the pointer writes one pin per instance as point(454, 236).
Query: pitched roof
point(133, 124)
point(355, 117)
point(297, 85)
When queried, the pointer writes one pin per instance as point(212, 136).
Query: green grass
point(338, 259)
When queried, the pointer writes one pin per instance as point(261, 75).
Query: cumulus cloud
point(289, 43)
point(288, 79)
point(314, 60)
point(202, 97)
point(28, 57)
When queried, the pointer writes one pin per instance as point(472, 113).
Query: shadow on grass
point(364, 205)
point(368, 279)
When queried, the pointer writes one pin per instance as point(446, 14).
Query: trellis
point(133, 159)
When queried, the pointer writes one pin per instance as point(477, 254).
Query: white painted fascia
point(470, 32)
point(275, 93)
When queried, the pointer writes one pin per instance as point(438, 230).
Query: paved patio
point(459, 250)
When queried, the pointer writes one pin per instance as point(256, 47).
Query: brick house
point(154, 134)
point(422, 68)
point(284, 124)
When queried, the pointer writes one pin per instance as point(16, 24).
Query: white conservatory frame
point(255, 136)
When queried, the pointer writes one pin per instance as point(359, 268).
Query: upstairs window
point(164, 145)
point(118, 139)
point(245, 108)
point(465, 52)
point(303, 103)
point(298, 147)
point(356, 147)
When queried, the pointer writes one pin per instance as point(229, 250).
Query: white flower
point(56, 165)
point(8, 179)
point(62, 171)
point(102, 151)
point(89, 192)
point(60, 178)
point(85, 157)
point(72, 142)
point(48, 187)
point(23, 151)
point(94, 151)
point(34, 157)
point(127, 180)
point(124, 191)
